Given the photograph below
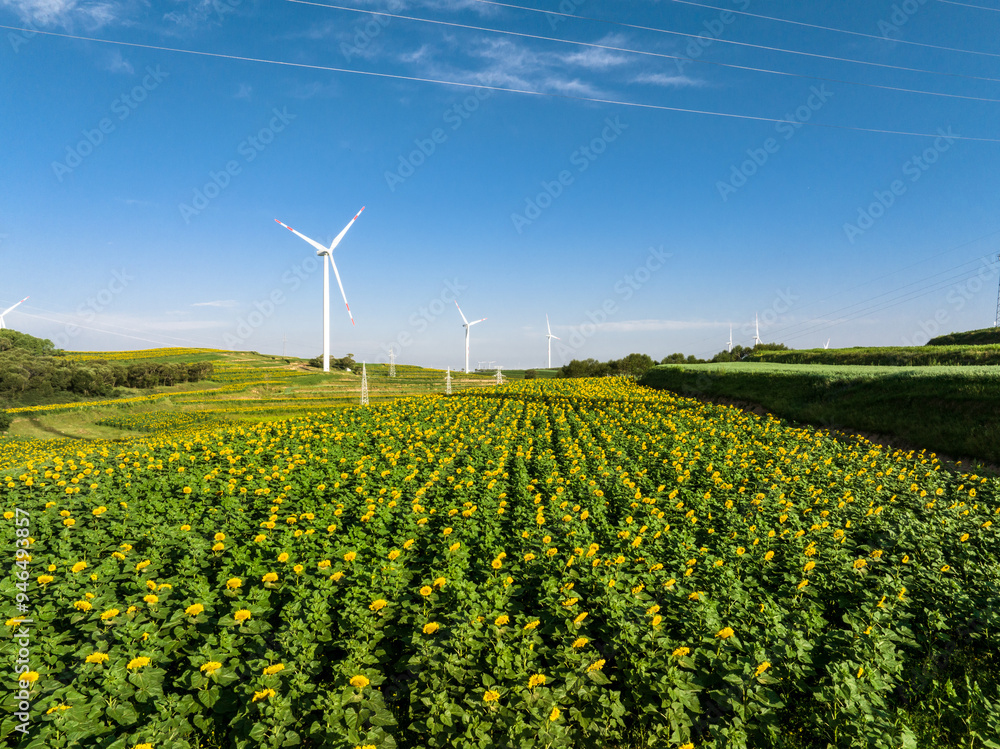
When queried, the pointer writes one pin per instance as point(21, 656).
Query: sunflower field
point(582, 563)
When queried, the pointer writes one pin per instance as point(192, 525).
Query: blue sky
point(141, 185)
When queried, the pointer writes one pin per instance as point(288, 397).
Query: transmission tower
point(364, 385)
point(447, 382)
point(499, 376)
point(392, 362)
point(996, 319)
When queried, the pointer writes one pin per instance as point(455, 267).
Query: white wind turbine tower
point(550, 337)
point(11, 309)
point(467, 326)
point(756, 335)
point(328, 252)
point(730, 349)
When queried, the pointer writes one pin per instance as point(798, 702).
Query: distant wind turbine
point(467, 326)
point(827, 343)
point(11, 309)
point(730, 349)
point(550, 337)
point(756, 335)
point(328, 252)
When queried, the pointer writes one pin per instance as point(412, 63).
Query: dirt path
point(36, 422)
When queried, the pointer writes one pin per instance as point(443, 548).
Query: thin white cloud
point(650, 326)
point(118, 64)
point(665, 80)
point(226, 303)
point(68, 13)
point(189, 14)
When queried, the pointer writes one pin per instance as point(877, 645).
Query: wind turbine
point(466, 326)
point(730, 349)
point(827, 343)
point(11, 309)
point(550, 337)
point(328, 252)
point(756, 335)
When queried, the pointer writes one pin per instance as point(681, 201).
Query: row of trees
point(344, 362)
point(636, 365)
point(25, 376)
point(12, 339)
point(633, 365)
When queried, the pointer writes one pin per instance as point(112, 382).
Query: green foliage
point(633, 365)
point(885, 356)
point(954, 410)
point(530, 374)
point(12, 339)
point(676, 573)
point(981, 337)
point(6, 420)
point(26, 376)
point(345, 362)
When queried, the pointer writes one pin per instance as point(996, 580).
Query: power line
point(839, 31)
point(887, 275)
point(505, 89)
point(113, 332)
point(878, 308)
point(611, 48)
point(797, 330)
point(720, 40)
point(969, 5)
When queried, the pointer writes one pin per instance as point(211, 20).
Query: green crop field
point(893, 356)
point(245, 386)
point(954, 410)
point(547, 563)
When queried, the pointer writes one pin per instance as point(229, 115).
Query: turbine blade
point(477, 321)
point(337, 274)
point(461, 313)
point(343, 231)
point(9, 309)
point(549, 327)
point(314, 243)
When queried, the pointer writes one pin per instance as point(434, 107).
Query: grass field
point(246, 386)
point(545, 563)
point(953, 410)
point(892, 356)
